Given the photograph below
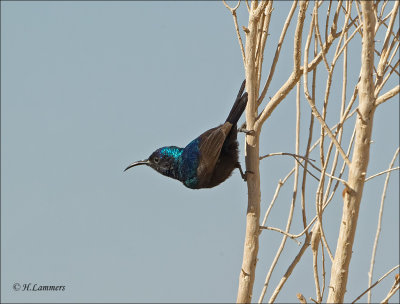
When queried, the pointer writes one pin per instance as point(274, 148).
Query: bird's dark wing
point(210, 147)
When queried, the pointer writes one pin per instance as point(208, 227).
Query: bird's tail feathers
point(239, 106)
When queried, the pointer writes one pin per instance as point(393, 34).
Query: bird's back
point(224, 147)
point(227, 160)
point(210, 159)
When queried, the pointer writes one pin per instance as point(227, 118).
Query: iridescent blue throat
point(183, 163)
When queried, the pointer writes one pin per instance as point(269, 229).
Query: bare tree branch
point(290, 269)
point(358, 168)
point(384, 97)
point(315, 240)
point(376, 283)
point(250, 251)
point(383, 172)
point(294, 77)
point(289, 221)
point(277, 52)
point(378, 228)
point(369, 21)
point(385, 50)
point(390, 294)
point(312, 104)
point(233, 12)
point(301, 298)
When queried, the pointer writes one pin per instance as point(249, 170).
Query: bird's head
point(163, 160)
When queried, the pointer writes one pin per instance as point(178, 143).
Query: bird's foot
point(247, 132)
point(245, 174)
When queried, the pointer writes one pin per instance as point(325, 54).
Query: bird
point(209, 159)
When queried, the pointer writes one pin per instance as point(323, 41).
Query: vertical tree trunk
point(247, 273)
point(359, 164)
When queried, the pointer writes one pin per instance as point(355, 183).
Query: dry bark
point(359, 162)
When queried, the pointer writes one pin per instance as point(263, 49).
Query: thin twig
point(384, 97)
point(318, 169)
point(385, 50)
point(231, 8)
point(359, 11)
point(317, 33)
point(347, 41)
point(294, 236)
point(343, 167)
point(383, 7)
point(389, 64)
point(324, 162)
point(312, 105)
point(248, 6)
point(338, 179)
point(295, 157)
point(390, 294)
point(278, 188)
point(308, 171)
point(393, 289)
point(233, 12)
point(323, 271)
point(295, 75)
point(277, 52)
point(290, 217)
point(263, 39)
point(378, 228)
point(282, 182)
point(316, 238)
point(291, 82)
point(301, 298)
point(281, 231)
point(396, 281)
point(376, 283)
point(380, 87)
point(339, 131)
point(286, 153)
point(380, 173)
point(290, 268)
point(328, 14)
point(328, 131)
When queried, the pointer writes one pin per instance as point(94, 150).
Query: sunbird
point(207, 160)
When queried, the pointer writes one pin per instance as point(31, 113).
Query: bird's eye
point(156, 159)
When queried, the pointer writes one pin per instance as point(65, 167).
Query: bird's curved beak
point(138, 163)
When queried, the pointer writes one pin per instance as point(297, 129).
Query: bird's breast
point(189, 162)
